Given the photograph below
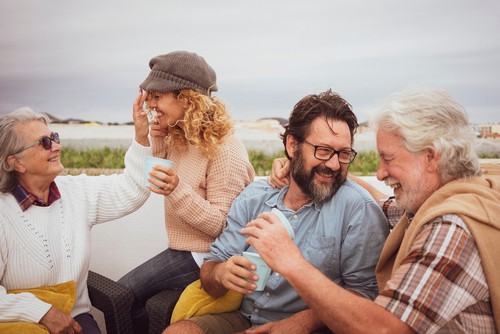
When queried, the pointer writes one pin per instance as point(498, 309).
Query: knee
point(183, 327)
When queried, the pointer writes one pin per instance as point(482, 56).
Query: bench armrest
point(113, 300)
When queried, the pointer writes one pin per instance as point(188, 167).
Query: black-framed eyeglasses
point(325, 153)
point(45, 141)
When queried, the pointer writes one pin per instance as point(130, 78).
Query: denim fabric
point(88, 323)
point(170, 269)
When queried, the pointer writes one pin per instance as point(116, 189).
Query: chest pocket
point(322, 252)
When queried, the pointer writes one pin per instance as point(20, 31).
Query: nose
point(55, 146)
point(333, 163)
point(382, 173)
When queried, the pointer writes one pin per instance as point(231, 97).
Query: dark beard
point(305, 180)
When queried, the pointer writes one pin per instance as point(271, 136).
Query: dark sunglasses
point(45, 141)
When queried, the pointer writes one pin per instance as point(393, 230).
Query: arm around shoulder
point(376, 194)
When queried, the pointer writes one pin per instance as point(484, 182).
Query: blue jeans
point(170, 269)
point(88, 323)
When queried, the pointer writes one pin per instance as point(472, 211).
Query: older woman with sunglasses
point(45, 220)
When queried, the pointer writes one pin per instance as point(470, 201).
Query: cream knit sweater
point(50, 245)
point(195, 212)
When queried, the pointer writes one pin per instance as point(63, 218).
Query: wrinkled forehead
point(330, 130)
point(389, 141)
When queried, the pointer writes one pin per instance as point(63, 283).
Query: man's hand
point(279, 173)
point(235, 274)
point(58, 322)
point(271, 240)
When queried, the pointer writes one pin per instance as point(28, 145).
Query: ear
point(291, 145)
point(15, 164)
point(432, 159)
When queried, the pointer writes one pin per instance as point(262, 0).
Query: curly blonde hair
point(206, 123)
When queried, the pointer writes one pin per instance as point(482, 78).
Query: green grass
point(488, 156)
point(106, 157)
point(366, 163)
point(262, 163)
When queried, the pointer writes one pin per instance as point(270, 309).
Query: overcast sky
point(85, 59)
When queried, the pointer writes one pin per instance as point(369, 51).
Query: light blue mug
point(285, 222)
point(263, 271)
point(148, 167)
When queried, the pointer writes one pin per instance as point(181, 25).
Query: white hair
point(430, 118)
point(10, 142)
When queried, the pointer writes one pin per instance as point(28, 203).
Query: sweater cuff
point(145, 150)
point(179, 192)
point(36, 311)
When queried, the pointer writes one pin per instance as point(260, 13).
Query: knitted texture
point(50, 245)
point(180, 70)
point(195, 212)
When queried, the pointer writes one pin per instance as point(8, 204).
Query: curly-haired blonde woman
point(211, 167)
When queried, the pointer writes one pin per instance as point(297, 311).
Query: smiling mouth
point(328, 175)
point(394, 186)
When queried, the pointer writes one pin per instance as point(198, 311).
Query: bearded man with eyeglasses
point(338, 227)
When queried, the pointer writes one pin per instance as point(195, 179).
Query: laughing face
point(169, 110)
point(412, 176)
point(319, 180)
point(36, 161)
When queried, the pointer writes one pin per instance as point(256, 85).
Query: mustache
point(323, 170)
point(390, 181)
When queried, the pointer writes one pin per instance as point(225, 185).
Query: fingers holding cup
point(155, 176)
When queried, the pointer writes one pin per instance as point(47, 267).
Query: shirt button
point(276, 274)
point(267, 294)
point(295, 216)
point(256, 310)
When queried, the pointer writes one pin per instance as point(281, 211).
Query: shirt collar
point(278, 201)
point(25, 199)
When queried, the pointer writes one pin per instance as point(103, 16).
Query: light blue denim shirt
point(342, 237)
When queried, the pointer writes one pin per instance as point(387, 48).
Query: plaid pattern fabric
point(440, 286)
point(391, 211)
point(26, 199)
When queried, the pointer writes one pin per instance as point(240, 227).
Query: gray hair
point(10, 142)
point(431, 118)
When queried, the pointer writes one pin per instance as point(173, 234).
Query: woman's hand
point(140, 116)
point(164, 178)
point(158, 131)
point(57, 321)
point(279, 173)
